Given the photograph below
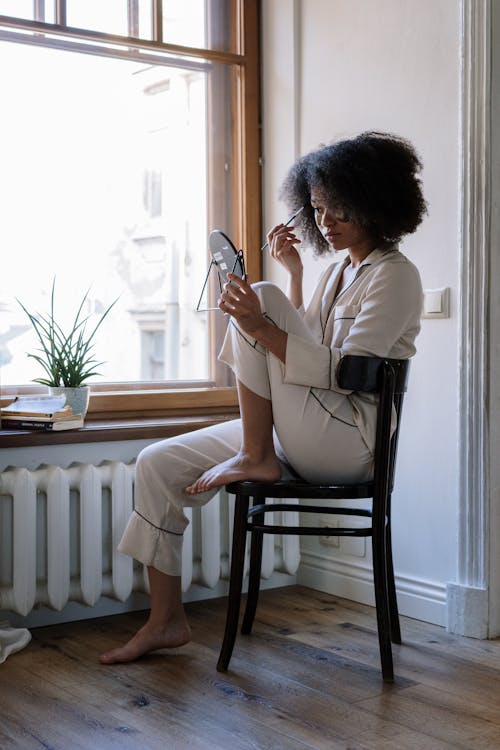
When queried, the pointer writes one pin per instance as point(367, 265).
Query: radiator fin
point(60, 528)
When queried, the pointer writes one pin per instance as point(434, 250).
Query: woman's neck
point(358, 253)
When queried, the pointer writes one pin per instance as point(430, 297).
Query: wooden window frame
point(132, 400)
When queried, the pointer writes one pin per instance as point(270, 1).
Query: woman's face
point(336, 227)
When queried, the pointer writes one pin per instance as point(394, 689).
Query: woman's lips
point(330, 236)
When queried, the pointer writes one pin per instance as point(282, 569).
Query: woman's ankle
point(258, 454)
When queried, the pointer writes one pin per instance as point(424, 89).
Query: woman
point(361, 195)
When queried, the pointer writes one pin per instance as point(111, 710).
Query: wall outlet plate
point(329, 541)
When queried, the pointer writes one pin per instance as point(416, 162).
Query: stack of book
point(45, 413)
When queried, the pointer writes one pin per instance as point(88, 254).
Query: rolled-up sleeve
point(312, 364)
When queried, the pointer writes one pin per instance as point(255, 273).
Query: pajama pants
point(315, 437)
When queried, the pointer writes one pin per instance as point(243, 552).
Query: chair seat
point(301, 489)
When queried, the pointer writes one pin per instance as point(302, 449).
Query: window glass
point(184, 22)
point(109, 17)
point(145, 19)
point(105, 185)
point(18, 8)
point(187, 22)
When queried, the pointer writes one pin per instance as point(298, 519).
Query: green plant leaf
point(66, 358)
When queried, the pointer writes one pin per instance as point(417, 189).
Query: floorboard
point(308, 678)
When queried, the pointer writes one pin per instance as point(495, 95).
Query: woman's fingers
point(282, 240)
point(279, 233)
point(236, 285)
point(241, 302)
point(234, 290)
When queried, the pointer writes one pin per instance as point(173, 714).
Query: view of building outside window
point(103, 185)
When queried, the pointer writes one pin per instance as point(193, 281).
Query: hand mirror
point(225, 256)
point(226, 259)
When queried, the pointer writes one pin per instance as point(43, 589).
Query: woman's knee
point(267, 288)
point(278, 309)
point(272, 299)
point(147, 457)
point(155, 460)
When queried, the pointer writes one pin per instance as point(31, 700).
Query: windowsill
point(96, 431)
point(136, 415)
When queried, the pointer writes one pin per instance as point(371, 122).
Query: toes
point(106, 659)
point(201, 485)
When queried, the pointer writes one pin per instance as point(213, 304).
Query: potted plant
point(67, 358)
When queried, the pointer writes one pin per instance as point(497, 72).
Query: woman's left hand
point(240, 301)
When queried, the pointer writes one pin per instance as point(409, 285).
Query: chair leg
point(382, 598)
point(391, 584)
point(235, 581)
point(253, 578)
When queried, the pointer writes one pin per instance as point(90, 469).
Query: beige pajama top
point(377, 314)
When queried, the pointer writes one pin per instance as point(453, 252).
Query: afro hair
point(372, 177)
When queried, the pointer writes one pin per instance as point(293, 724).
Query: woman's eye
point(342, 216)
point(337, 213)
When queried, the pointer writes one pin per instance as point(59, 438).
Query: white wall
point(494, 393)
point(390, 65)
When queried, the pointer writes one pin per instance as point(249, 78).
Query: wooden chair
point(388, 378)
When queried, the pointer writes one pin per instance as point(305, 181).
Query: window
point(153, 353)
point(130, 130)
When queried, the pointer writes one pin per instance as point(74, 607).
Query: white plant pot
point(77, 398)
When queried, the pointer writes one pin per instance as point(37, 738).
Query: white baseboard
point(467, 610)
point(422, 600)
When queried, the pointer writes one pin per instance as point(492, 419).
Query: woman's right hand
point(282, 246)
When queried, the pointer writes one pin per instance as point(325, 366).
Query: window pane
point(17, 8)
point(184, 22)
point(109, 17)
point(104, 184)
point(145, 19)
point(209, 24)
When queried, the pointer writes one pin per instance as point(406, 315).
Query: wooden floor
point(308, 677)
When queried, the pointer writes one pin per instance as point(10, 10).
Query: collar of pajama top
point(330, 298)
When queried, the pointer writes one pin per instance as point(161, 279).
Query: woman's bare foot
point(150, 638)
point(236, 469)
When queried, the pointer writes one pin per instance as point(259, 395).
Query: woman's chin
point(337, 245)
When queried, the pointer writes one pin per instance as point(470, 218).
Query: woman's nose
point(327, 218)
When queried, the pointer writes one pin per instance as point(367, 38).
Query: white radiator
point(59, 529)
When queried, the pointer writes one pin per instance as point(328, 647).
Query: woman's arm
point(295, 290)
point(390, 309)
point(241, 302)
point(282, 245)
